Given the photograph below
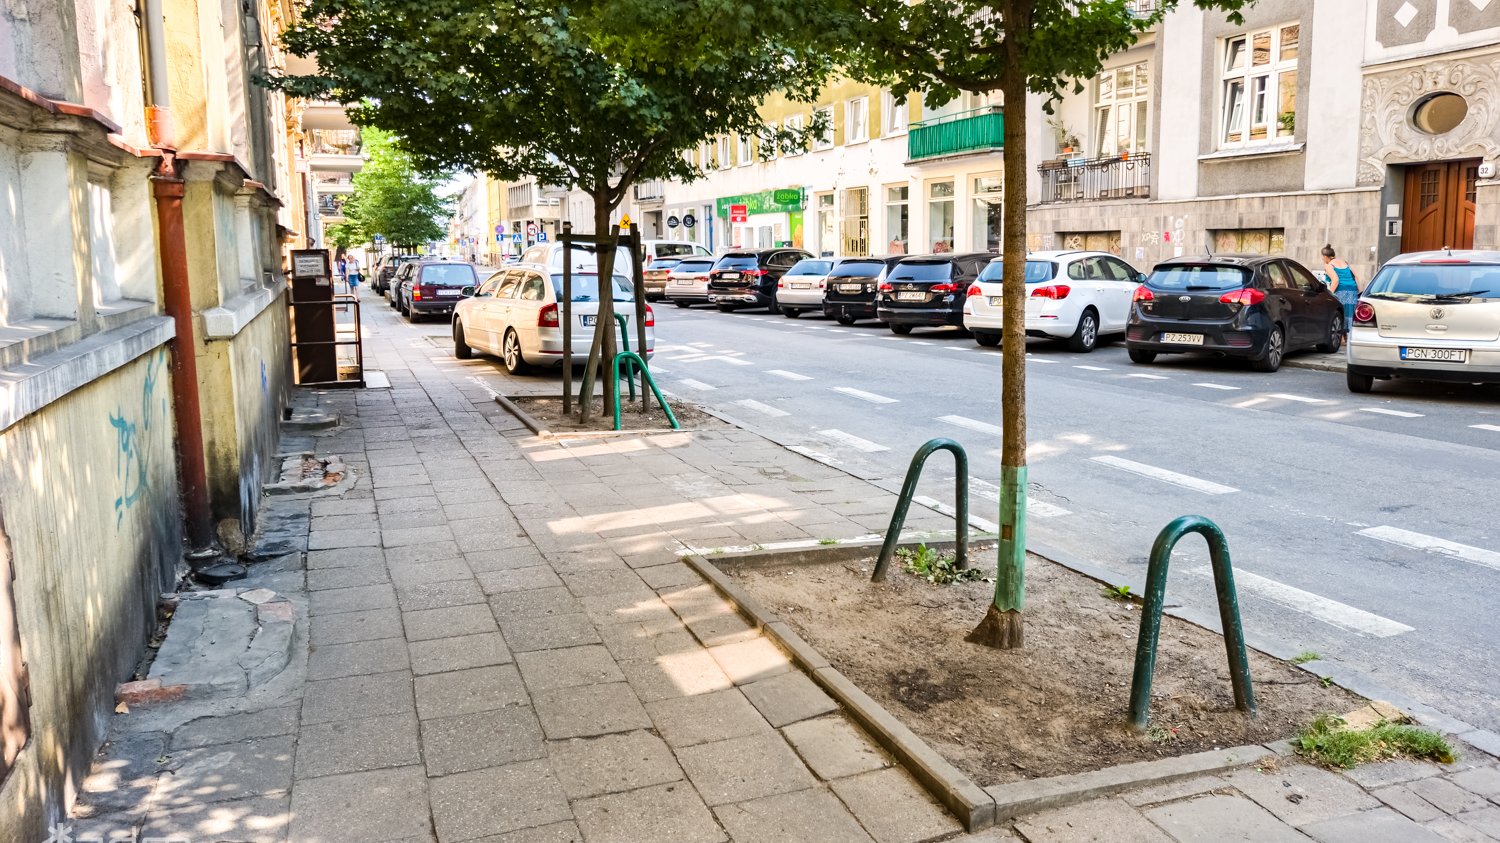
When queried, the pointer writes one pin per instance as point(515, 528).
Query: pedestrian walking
point(1341, 279)
point(351, 268)
point(340, 267)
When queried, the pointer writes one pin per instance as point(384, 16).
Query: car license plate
point(1183, 339)
point(851, 288)
point(997, 301)
point(448, 292)
point(800, 286)
point(683, 282)
point(911, 296)
point(587, 320)
point(729, 275)
point(1439, 355)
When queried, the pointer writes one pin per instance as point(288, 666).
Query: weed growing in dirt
point(1161, 734)
point(826, 542)
point(1330, 741)
point(1304, 657)
point(936, 567)
point(1118, 592)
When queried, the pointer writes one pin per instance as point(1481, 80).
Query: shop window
point(856, 240)
point(898, 219)
point(988, 219)
point(940, 216)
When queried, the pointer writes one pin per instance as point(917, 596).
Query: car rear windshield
point(923, 271)
point(664, 250)
point(694, 266)
point(586, 287)
point(1036, 271)
point(448, 275)
point(1477, 280)
point(857, 269)
point(1198, 277)
point(810, 267)
point(737, 262)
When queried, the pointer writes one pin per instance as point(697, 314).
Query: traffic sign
point(688, 220)
point(672, 222)
point(624, 220)
point(541, 237)
point(739, 213)
point(531, 229)
point(515, 238)
point(499, 238)
point(500, 228)
point(379, 238)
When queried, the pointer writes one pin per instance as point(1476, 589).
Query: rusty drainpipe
point(168, 188)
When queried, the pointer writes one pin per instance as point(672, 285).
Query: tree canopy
point(391, 198)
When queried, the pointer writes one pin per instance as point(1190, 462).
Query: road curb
point(1316, 365)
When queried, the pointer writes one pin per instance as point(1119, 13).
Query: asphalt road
point(1363, 528)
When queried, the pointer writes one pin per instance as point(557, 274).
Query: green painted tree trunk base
point(1000, 630)
point(1010, 573)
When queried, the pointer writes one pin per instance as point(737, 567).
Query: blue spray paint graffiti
point(132, 457)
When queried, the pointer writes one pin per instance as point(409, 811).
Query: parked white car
point(803, 286)
point(1428, 316)
point(687, 282)
point(672, 249)
point(585, 258)
point(517, 314)
point(1071, 295)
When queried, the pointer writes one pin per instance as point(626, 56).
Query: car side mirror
point(1140, 278)
point(467, 292)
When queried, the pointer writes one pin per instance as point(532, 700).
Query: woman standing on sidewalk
point(1341, 280)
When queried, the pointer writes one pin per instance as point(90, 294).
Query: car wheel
point(845, 319)
point(1335, 335)
point(725, 308)
point(1359, 383)
point(461, 349)
point(903, 330)
point(1270, 359)
point(773, 308)
point(1141, 355)
point(987, 340)
point(790, 312)
point(1086, 336)
point(683, 304)
point(515, 361)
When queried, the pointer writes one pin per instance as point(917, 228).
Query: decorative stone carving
point(1387, 135)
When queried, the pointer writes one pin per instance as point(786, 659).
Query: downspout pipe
point(159, 110)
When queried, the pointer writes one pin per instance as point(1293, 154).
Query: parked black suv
point(853, 285)
point(386, 267)
point(928, 290)
point(744, 278)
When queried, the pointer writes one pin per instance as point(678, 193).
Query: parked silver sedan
point(687, 283)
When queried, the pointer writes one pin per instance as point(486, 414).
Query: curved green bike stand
point(635, 360)
point(909, 488)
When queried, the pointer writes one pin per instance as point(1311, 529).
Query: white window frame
point(746, 153)
point(766, 149)
point(796, 123)
point(894, 116)
point(1113, 106)
point(725, 152)
point(1259, 88)
point(859, 106)
point(824, 141)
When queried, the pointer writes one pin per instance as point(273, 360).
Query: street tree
point(942, 48)
point(394, 198)
point(600, 94)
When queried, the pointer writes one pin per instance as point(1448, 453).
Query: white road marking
point(892, 339)
point(811, 454)
point(656, 368)
point(1148, 377)
point(1093, 368)
point(864, 396)
point(791, 376)
point(1328, 611)
point(971, 424)
point(763, 409)
point(974, 521)
point(1432, 544)
point(812, 327)
point(692, 384)
point(837, 331)
point(960, 347)
point(1162, 474)
point(1284, 396)
point(839, 436)
point(920, 342)
point(1400, 414)
point(1038, 359)
point(1215, 386)
point(1034, 507)
point(1493, 428)
point(735, 360)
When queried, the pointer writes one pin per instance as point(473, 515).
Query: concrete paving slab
point(589, 767)
point(357, 658)
point(1485, 820)
point(467, 691)
point(1216, 818)
point(1483, 781)
point(788, 698)
point(668, 576)
point(750, 661)
point(479, 803)
point(649, 815)
point(582, 711)
point(126, 779)
point(336, 539)
point(1299, 794)
point(256, 767)
point(440, 655)
point(685, 674)
point(239, 726)
point(835, 748)
point(688, 721)
point(375, 805)
point(1455, 830)
point(350, 746)
point(547, 670)
point(1447, 796)
point(428, 624)
point(550, 632)
point(1100, 821)
point(1381, 825)
point(812, 814)
point(258, 819)
point(1396, 771)
point(627, 607)
point(563, 832)
point(1172, 791)
point(745, 768)
point(416, 554)
point(343, 557)
point(518, 579)
point(439, 595)
point(437, 570)
point(402, 536)
point(481, 739)
point(356, 599)
point(893, 808)
point(537, 602)
point(322, 579)
point(1409, 804)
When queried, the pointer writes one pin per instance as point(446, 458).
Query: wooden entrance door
point(1439, 206)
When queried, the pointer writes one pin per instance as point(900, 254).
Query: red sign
point(739, 213)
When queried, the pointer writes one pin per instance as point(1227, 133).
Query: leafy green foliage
point(1304, 657)
point(391, 197)
point(938, 568)
point(1329, 741)
point(1118, 592)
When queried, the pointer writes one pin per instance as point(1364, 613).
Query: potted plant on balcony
point(1066, 140)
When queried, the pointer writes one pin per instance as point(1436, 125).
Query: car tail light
point(973, 291)
point(755, 273)
point(887, 288)
point(416, 293)
point(1052, 291)
point(943, 288)
point(650, 317)
point(1142, 293)
point(1245, 297)
point(823, 285)
point(1364, 313)
point(780, 285)
point(1446, 260)
point(547, 318)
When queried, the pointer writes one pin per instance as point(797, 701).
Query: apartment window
point(856, 221)
point(796, 123)
point(940, 215)
point(1249, 241)
point(1260, 86)
point(1120, 106)
point(726, 159)
point(767, 146)
point(898, 219)
point(824, 140)
point(102, 244)
point(827, 232)
point(745, 154)
point(989, 215)
point(857, 120)
point(893, 115)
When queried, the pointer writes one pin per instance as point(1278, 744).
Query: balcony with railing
point(651, 190)
point(965, 133)
point(1125, 176)
point(335, 150)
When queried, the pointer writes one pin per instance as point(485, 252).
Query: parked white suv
point(804, 286)
point(1072, 296)
point(1428, 316)
point(672, 249)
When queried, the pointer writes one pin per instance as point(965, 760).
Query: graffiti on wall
point(132, 455)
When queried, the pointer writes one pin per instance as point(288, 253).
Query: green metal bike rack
point(909, 488)
point(630, 374)
point(1156, 592)
point(635, 360)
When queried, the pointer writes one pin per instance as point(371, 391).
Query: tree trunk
point(1001, 627)
point(602, 351)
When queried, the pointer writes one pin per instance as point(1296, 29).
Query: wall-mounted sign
point(688, 220)
point(739, 213)
point(673, 222)
point(787, 196)
point(311, 263)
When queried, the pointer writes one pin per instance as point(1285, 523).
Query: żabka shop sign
point(785, 200)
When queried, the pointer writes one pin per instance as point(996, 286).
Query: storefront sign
point(739, 213)
point(672, 221)
point(784, 200)
point(688, 220)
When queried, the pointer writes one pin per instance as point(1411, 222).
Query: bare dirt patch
point(548, 411)
point(1056, 707)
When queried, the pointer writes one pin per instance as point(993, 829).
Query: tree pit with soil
point(548, 410)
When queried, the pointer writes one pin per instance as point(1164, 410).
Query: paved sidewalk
point(496, 641)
